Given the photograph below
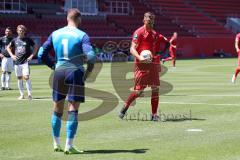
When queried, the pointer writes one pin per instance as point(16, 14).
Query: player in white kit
point(22, 49)
point(7, 62)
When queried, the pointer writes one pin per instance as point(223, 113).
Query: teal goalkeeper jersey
point(71, 45)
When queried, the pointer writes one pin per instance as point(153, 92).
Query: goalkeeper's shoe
point(123, 112)
point(57, 148)
point(72, 150)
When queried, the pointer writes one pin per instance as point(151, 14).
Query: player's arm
point(1, 55)
point(9, 49)
point(90, 54)
point(35, 49)
point(174, 46)
point(165, 41)
point(237, 44)
point(43, 53)
point(133, 49)
point(134, 52)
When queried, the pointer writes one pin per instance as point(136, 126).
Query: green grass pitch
point(203, 98)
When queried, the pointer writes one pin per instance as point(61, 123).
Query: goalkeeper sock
point(56, 127)
point(69, 143)
point(71, 127)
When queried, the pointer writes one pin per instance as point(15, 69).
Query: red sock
point(154, 101)
point(237, 71)
point(174, 62)
point(131, 98)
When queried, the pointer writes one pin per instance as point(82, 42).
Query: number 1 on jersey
point(65, 48)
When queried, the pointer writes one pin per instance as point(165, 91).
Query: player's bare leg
point(168, 59)
point(8, 79)
point(135, 94)
point(234, 77)
point(171, 58)
point(20, 87)
point(28, 86)
point(154, 103)
point(3, 80)
point(174, 62)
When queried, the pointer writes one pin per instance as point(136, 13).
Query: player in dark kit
point(20, 49)
point(146, 74)
point(7, 62)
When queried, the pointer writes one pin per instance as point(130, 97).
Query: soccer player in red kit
point(172, 50)
point(146, 73)
point(237, 46)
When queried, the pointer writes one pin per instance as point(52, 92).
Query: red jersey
point(148, 40)
point(147, 74)
point(145, 40)
point(238, 39)
point(173, 42)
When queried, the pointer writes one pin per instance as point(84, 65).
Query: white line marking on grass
point(215, 104)
point(143, 102)
point(212, 95)
point(194, 130)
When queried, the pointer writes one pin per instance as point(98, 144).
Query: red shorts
point(173, 53)
point(146, 75)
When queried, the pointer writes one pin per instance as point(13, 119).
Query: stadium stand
point(207, 18)
point(187, 15)
point(218, 10)
point(46, 24)
point(164, 24)
point(190, 18)
point(41, 20)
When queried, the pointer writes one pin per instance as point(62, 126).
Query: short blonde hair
point(73, 14)
point(21, 27)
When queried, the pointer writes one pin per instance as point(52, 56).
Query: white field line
point(143, 102)
point(194, 130)
point(228, 95)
